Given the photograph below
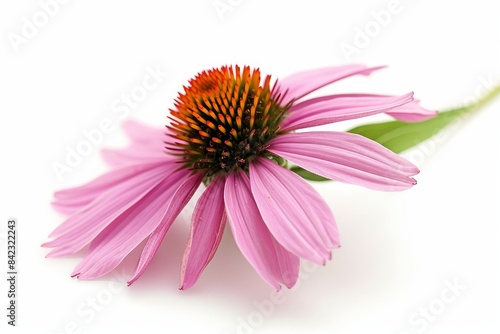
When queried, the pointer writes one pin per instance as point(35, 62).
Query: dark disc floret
point(224, 119)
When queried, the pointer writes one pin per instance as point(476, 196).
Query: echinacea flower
point(234, 132)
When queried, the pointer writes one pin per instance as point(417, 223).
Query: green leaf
point(399, 136)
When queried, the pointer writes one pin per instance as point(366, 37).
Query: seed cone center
point(224, 119)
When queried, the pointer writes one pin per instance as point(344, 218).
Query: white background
point(398, 249)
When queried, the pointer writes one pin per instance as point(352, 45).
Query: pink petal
point(346, 157)
point(143, 134)
point(412, 112)
point(175, 206)
point(147, 144)
point(293, 211)
point(273, 262)
point(133, 155)
point(127, 231)
point(300, 84)
point(336, 108)
point(207, 227)
point(84, 225)
point(72, 199)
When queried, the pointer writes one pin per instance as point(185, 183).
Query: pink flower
point(234, 132)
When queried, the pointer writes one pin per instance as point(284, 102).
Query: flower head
point(224, 119)
point(235, 132)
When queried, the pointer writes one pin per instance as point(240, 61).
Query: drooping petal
point(84, 225)
point(147, 143)
point(293, 211)
point(133, 154)
point(127, 231)
point(207, 227)
point(336, 108)
point(144, 135)
point(271, 261)
point(300, 84)
point(175, 206)
point(346, 157)
point(409, 112)
point(71, 200)
point(412, 112)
